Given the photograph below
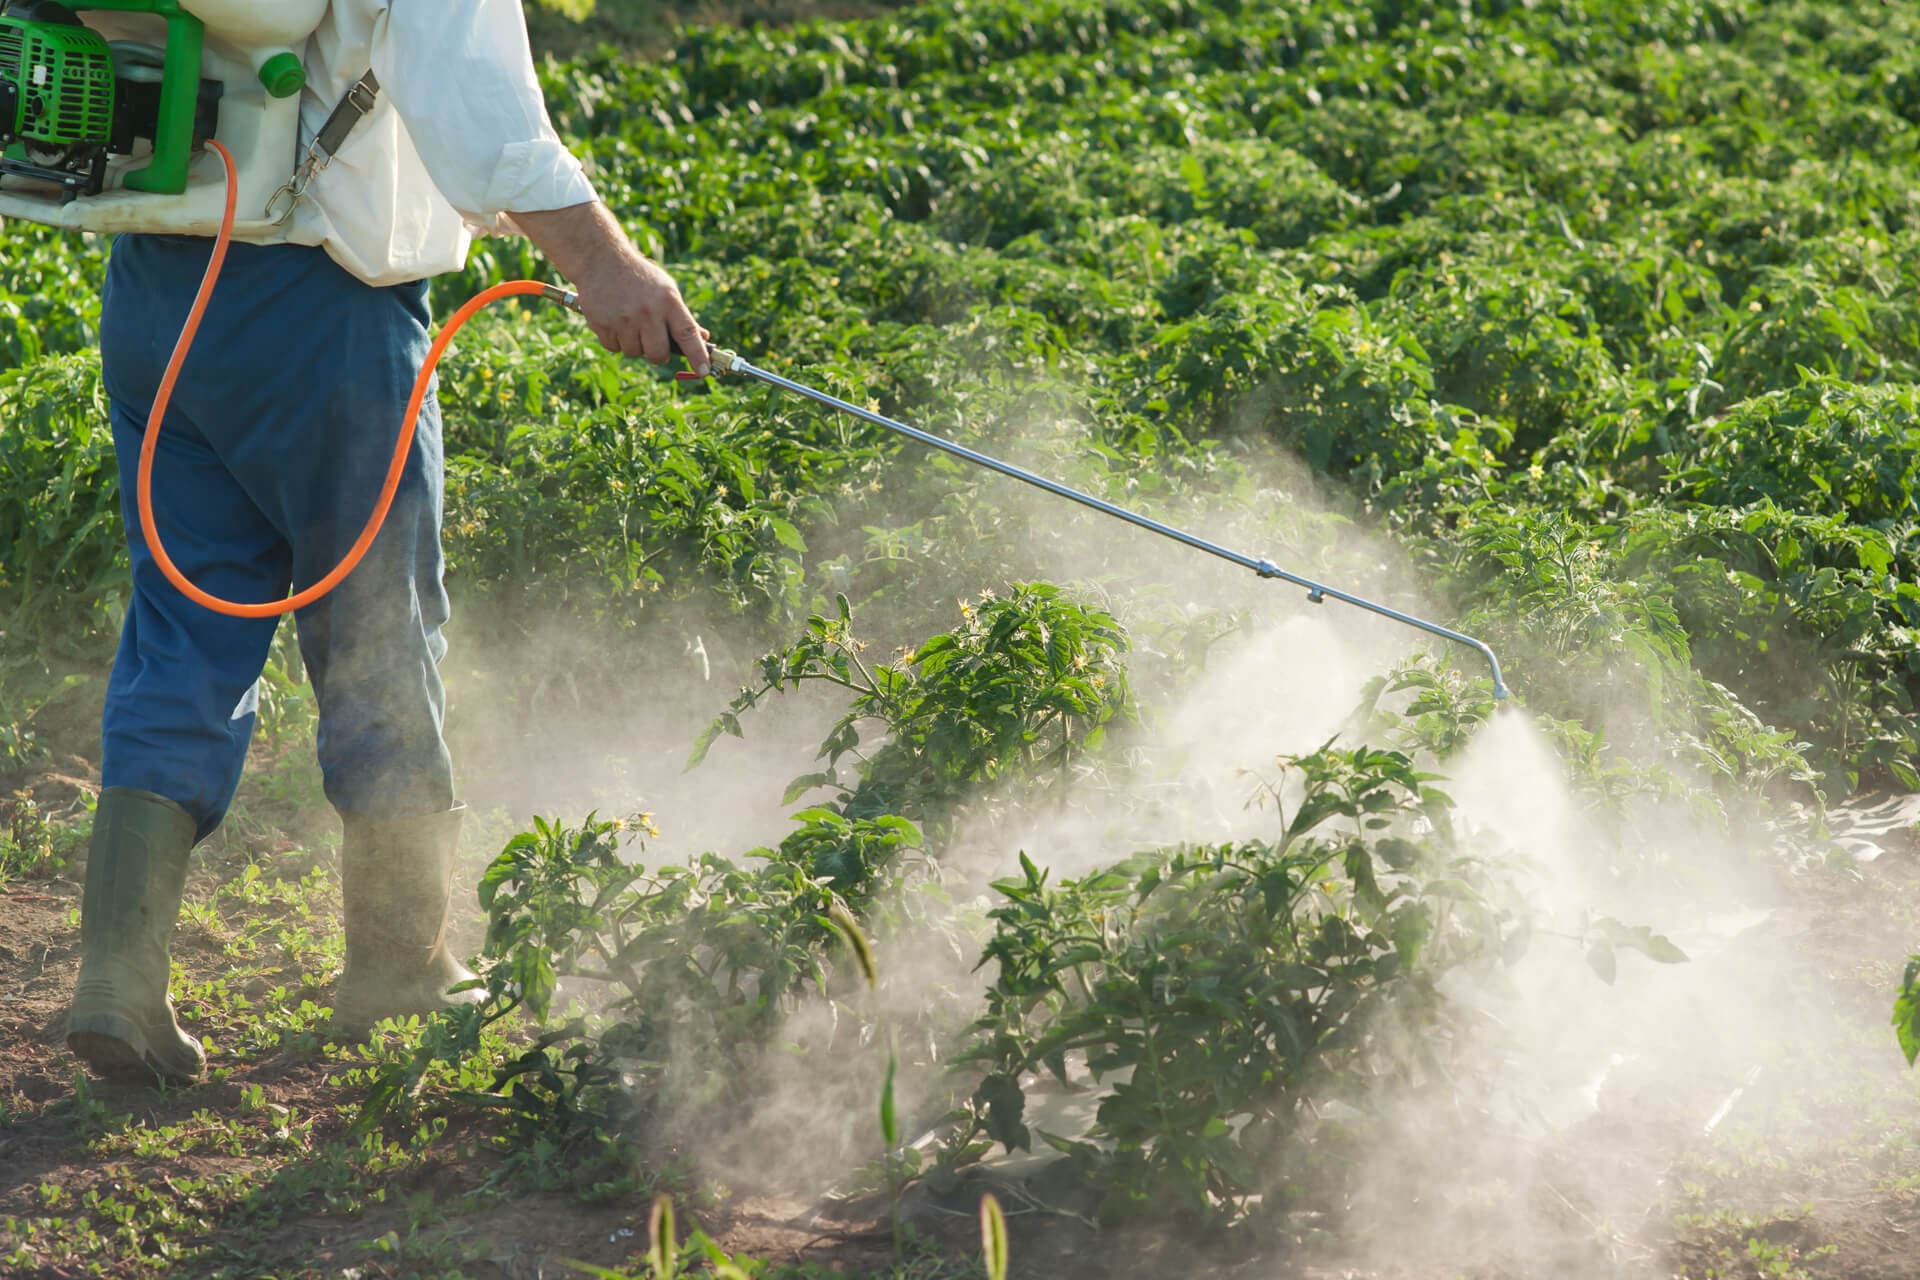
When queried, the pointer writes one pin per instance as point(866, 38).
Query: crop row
point(1605, 312)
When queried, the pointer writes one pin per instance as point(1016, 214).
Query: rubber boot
point(121, 1023)
point(397, 879)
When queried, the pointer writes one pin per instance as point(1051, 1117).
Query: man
point(268, 462)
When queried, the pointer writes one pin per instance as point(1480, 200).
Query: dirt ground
point(39, 1145)
point(244, 1175)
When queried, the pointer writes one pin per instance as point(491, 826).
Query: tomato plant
point(1604, 314)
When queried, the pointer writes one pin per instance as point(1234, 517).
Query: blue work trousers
point(271, 456)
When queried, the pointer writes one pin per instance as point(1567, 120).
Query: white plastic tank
point(269, 25)
point(243, 39)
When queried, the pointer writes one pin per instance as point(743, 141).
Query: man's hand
point(630, 302)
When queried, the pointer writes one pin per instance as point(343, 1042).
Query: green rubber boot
point(121, 1023)
point(397, 880)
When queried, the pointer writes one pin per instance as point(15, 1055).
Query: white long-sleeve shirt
point(458, 136)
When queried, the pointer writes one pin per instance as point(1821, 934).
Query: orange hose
point(149, 442)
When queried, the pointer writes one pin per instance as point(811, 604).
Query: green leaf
point(856, 940)
point(1638, 938)
point(805, 783)
point(663, 1246)
point(889, 1127)
point(1601, 960)
point(1002, 1103)
point(1906, 1011)
point(993, 1237)
point(788, 536)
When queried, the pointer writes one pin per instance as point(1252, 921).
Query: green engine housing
point(66, 102)
point(61, 80)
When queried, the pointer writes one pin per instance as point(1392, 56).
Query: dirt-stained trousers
point(270, 458)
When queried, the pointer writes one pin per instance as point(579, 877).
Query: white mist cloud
point(1553, 1149)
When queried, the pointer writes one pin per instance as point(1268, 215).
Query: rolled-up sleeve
point(460, 76)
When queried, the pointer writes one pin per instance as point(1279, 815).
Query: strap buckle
point(358, 100)
point(295, 187)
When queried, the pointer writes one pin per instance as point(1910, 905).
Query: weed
point(31, 846)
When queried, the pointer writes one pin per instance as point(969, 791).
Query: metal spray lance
point(732, 365)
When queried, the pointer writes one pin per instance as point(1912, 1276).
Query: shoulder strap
point(354, 104)
point(348, 112)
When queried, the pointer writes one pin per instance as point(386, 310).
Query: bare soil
point(268, 1205)
point(43, 1142)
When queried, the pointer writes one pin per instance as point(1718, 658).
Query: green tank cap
point(283, 75)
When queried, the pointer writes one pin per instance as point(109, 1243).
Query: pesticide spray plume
point(1574, 1106)
point(1575, 1103)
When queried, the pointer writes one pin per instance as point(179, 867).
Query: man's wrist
point(581, 240)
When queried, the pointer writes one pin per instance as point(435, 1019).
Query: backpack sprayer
point(79, 112)
point(99, 125)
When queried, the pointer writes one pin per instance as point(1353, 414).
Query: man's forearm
point(579, 240)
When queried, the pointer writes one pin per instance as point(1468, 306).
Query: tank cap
point(282, 75)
